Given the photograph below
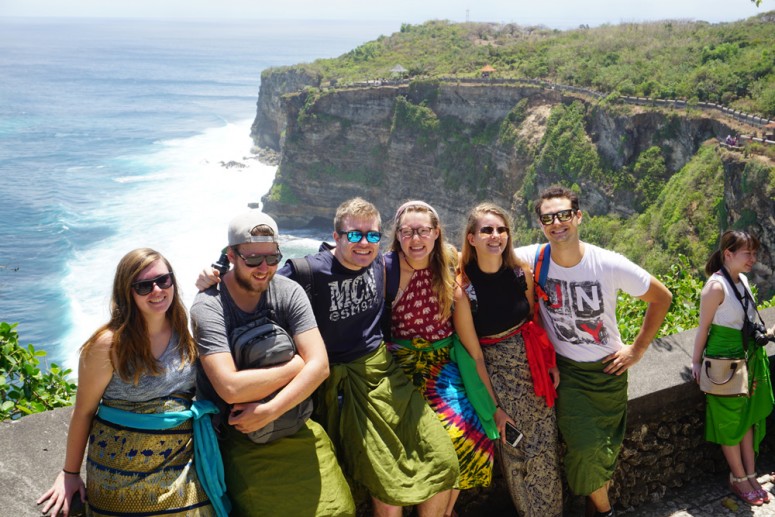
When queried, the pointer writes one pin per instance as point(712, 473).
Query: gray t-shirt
point(212, 325)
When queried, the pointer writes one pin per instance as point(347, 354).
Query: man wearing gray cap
point(389, 441)
point(287, 469)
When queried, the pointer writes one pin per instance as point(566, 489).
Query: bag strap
point(541, 270)
point(732, 366)
point(303, 275)
point(231, 318)
point(743, 299)
point(392, 277)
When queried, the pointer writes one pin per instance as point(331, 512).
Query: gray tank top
point(172, 380)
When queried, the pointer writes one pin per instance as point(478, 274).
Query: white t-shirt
point(580, 316)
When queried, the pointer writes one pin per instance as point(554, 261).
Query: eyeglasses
point(422, 232)
point(272, 259)
point(489, 230)
point(143, 287)
point(357, 235)
point(562, 216)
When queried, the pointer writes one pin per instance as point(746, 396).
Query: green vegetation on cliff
point(728, 63)
point(24, 387)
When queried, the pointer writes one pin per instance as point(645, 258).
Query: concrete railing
point(664, 446)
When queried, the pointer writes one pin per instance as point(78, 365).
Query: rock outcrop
point(448, 149)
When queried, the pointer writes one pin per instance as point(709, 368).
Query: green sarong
point(389, 441)
point(727, 419)
point(592, 418)
point(297, 475)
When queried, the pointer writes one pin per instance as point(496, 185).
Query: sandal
point(751, 497)
point(761, 492)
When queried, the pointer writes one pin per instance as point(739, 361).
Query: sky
point(561, 14)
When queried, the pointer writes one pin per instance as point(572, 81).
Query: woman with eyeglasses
point(735, 423)
point(423, 340)
point(133, 372)
point(496, 307)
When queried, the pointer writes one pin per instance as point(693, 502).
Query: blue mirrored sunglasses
point(357, 235)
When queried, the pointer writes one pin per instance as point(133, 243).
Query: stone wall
point(664, 447)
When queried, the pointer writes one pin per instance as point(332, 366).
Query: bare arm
point(712, 296)
point(464, 327)
point(94, 373)
point(239, 386)
point(658, 298)
point(252, 416)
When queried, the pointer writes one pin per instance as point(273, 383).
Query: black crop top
point(500, 301)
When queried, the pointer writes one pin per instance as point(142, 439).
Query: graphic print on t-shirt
point(576, 311)
point(352, 296)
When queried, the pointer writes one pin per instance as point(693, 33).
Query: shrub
point(24, 388)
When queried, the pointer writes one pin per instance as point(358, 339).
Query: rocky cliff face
point(269, 125)
point(749, 202)
point(451, 145)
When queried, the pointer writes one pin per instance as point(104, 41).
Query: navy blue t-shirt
point(347, 305)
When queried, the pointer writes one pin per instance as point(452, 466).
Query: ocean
point(112, 134)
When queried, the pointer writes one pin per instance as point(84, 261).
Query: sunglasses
point(407, 233)
point(489, 230)
point(271, 259)
point(357, 235)
point(562, 216)
point(143, 287)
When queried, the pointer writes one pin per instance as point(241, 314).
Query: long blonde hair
point(131, 348)
point(442, 257)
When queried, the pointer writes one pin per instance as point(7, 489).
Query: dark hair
point(556, 191)
point(731, 240)
point(131, 347)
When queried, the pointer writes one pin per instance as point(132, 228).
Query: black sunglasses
point(272, 259)
point(143, 287)
point(562, 216)
point(357, 235)
point(489, 230)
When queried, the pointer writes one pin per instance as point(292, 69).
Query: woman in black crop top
point(496, 304)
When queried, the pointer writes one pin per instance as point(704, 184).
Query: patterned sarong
point(388, 439)
point(294, 476)
point(532, 470)
point(439, 379)
point(727, 419)
point(592, 417)
point(144, 472)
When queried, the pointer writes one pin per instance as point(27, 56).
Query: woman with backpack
point(424, 343)
point(497, 309)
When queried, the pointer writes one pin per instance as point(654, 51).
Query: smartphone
point(513, 436)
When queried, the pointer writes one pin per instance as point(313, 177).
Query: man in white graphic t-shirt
point(579, 313)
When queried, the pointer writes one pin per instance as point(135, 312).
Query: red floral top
point(415, 312)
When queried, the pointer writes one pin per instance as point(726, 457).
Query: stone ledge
point(33, 448)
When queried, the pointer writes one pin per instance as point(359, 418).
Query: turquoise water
point(111, 138)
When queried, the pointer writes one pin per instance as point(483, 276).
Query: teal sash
point(207, 454)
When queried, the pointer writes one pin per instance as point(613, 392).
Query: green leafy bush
point(24, 388)
point(684, 311)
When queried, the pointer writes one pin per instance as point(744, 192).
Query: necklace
point(406, 260)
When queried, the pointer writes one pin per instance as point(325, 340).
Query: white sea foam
point(183, 213)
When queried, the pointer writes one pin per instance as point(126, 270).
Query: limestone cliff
point(450, 144)
point(269, 125)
